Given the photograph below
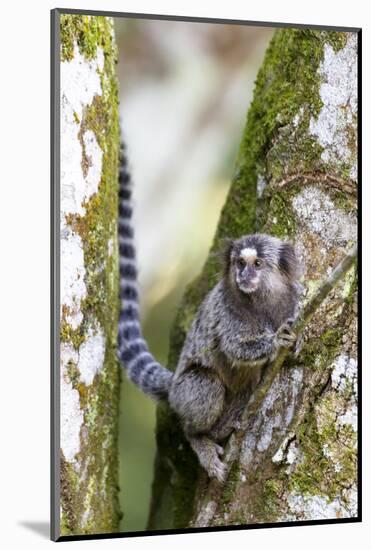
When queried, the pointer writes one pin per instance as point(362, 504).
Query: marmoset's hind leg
point(235, 404)
point(197, 396)
point(229, 421)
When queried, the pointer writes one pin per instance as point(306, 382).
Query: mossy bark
point(90, 374)
point(295, 178)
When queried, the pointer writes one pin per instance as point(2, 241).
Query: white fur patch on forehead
point(248, 254)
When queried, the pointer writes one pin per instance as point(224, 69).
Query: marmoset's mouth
point(248, 288)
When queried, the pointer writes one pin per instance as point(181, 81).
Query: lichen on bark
point(90, 374)
point(299, 457)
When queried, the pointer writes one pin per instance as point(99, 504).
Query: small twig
point(316, 177)
point(232, 451)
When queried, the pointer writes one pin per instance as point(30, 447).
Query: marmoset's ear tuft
point(288, 261)
point(226, 252)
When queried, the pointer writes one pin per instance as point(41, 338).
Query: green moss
point(336, 39)
point(64, 524)
point(68, 334)
point(330, 339)
point(270, 499)
point(73, 373)
point(230, 486)
point(98, 489)
point(175, 464)
point(349, 285)
point(280, 219)
point(70, 505)
point(320, 351)
point(287, 84)
point(323, 444)
point(89, 32)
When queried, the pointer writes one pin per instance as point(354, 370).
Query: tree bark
point(296, 177)
point(90, 376)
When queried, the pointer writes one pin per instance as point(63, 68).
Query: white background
point(24, 269)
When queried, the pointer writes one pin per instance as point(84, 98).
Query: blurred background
point(185, 89)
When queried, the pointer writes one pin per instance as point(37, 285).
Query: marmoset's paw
point(216, 468)
point(285, 337)
point(219, 449)
point(208, 453)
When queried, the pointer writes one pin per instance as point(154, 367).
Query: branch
point(214, 490)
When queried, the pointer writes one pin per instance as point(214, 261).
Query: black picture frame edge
point(55, 275)
point(194, 19)
point(359, 269)
point(208, 529)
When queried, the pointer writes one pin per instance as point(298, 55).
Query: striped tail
point(133, 351)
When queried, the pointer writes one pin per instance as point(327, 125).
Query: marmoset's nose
point(248, 273)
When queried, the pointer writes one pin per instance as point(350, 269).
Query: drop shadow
point(42, 528)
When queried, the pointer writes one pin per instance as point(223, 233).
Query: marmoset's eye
point(258, 263)
point(241, 263)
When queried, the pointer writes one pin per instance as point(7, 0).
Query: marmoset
point(238, 329)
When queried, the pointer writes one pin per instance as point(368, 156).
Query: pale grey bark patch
point(72, 285)
point(344, 369)
point(349, 418)
point(207, 513)
point(319, 507)
point(72, 417)
point(338, 92)
point(345, 380)
point(91, 355)
point(80, 83)
point(317, 213)
point(274, 415)
point(261, 184)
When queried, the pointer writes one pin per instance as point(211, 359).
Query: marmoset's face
point(261, 263)
point(247, 267)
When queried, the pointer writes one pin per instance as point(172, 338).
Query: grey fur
point(238, 328)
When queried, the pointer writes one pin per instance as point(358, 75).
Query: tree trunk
point(90, 373)
point(296, 177)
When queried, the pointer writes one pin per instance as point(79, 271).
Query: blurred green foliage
point(220, 63)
